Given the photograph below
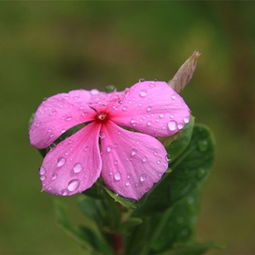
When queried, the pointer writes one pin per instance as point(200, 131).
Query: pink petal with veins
point(132, 162)
point(153, 108)
point(74, 164)
point(57, 114)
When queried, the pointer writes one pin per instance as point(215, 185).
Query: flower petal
point(74, 164)
point(153, 108)
point(132, 162)
point(57, 114)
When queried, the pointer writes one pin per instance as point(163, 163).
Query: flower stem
point(118, 244)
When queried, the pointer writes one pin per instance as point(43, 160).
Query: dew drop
point(172, 125)
point(161, 116)
point(42, 178)
point(148, 109)
point(186, 120)
point(173, 97)
point(117, 176)
point(200, 173)
point(148, 123)
point(133, 122)
point(61, 162)
point(202, 145)
point(124, 108)
point(54, 177)
point(180, 126)
point(64, 192)
point(108, 148)
point(144, 159)
point(73, 185)
point(133, 152)
point(158, 162)
point(94, 92)
point(142, 178)
point(77, 168)
point(42, 171)
point(68, 118)
point(143, 93)
point(127, 184)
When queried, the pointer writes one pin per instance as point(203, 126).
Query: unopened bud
point(185, 73)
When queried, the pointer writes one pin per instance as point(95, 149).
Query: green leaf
point(85, 236)
point(74, 232)
point(128, 226)
point(176, 224)
point(190, 170)
point(92, 208)
point(191, 248)
point(181, 140)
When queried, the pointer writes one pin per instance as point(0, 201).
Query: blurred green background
point(51, 47)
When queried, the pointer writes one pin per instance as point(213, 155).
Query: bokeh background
point(50, 47)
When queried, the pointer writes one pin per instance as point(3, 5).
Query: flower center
point(101, 117)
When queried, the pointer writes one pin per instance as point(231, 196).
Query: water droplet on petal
point(73, 185)
point(172, 125)
point(117, 176)
point(133, 122)
point(64, 192)
point(108, 148)
point(133, 152)
point(127, 184)
point(61, 162)
point(77, 168)
point(180, 126)
point(186, 120)
point(94, 92)
point(68, 118)
point(143, 93)
point(42, 171)
point(142, 178)
point(144, 159)
point(158, 162)
point(42, 178)
point(54, 177)
point(148, 123)
point(161, 116)
point(173, 97)
point(124, 108)
point(148, 109)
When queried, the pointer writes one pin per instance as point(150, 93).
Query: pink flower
point(129, 162)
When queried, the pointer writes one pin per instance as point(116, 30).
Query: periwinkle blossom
point(118, 143)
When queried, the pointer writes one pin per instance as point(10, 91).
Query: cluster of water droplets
point(73, 184)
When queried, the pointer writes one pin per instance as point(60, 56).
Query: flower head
point(119, 142)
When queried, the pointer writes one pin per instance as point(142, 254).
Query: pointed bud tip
point(196, 53)
point(185, 72)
